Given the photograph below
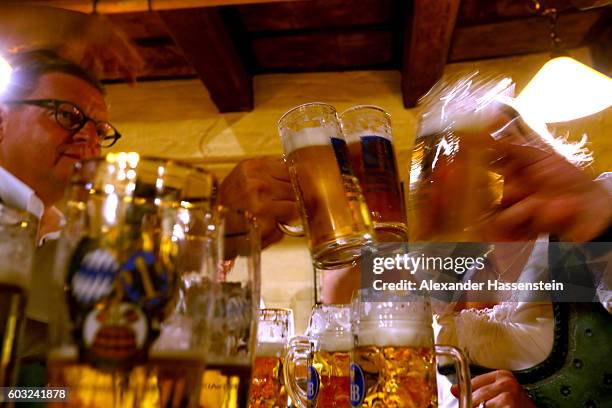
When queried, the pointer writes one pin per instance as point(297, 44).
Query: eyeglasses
point(71, 117)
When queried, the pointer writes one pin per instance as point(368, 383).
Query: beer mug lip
point(326, 106)
point(363, 107)
point(140, 158)
point(276, 312)
point(84, 176)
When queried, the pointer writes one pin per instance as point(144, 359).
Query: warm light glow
point(5, 74)
point(565, 89)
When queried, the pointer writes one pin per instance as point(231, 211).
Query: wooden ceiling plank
point(206, 43)
point(520, 36)
point(324, 51)
point(315, 14)
point(427, 39)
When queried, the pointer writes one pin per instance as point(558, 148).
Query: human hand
point(497, 389)
point(544, 193)
point(102, 50)
point(90, 41)
point(262, 187)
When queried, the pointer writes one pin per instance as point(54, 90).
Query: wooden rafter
point(208, 46)
point(427, 38)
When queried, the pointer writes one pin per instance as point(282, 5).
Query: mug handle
point(463, 370)
point(297, 353)
point(291, 230)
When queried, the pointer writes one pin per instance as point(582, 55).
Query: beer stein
point(275, 327)
point(333, 210)
point(132, 296)
point(454, 185)
point(233, 326)
point(393, 360)
point(17, 244)
point(325, 351)
point(367, 130)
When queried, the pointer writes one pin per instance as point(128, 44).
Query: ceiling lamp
point(5, 74)
point(564, 89)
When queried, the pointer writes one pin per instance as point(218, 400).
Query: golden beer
point(393, 376)
point(367, 130)
point(12, 318)
point(225, 385)
point(267, 383)
point(164, 381)
point(333, 210)
point(453, 187)
point(333, 369)
point(331, 202)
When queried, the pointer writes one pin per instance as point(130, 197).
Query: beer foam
point(331, 342)
point(270, 349)
point(319, 136)
point(396, 336)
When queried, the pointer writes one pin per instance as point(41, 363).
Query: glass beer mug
point(233, 326)
point(275, 328)
point(333, 211)
point(17, 245)
point(393, 360)
point(129, 324)
point(367, 130)
point(454, 186)
point(324, 350)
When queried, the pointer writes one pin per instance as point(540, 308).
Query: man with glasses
point(52, 114)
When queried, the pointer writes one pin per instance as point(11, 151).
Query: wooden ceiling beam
point(324, 51)
point(427, 38)
point(520, 36)
point(127, 6)
point(315, 14)
point(208, 46)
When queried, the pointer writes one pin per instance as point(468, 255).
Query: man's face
point(36, 149)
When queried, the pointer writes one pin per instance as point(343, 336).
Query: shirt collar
point(15, 193)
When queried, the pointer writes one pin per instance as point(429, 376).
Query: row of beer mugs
point(152, 282)
point(344, 172)
point(376, 352)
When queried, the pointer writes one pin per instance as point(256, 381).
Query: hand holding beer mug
point(454, 185)
point(233, 327)
point(275, 328)
point(325, 351)
point(334, 213)
point(129, 324)
point(393, 361)
point(17, 244)
point(367, 130)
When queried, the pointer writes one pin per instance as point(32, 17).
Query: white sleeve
point(604, 288)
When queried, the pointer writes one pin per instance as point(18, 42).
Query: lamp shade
point(565, 89)
point(5, 73)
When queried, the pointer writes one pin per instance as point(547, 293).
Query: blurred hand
point(88, 40)
point(262, 187)
point(102, 50)
point(497, 389)
point(544, 193)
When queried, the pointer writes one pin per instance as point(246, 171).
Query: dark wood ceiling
point(226, 45)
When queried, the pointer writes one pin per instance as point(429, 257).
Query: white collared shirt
point(15, 193)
